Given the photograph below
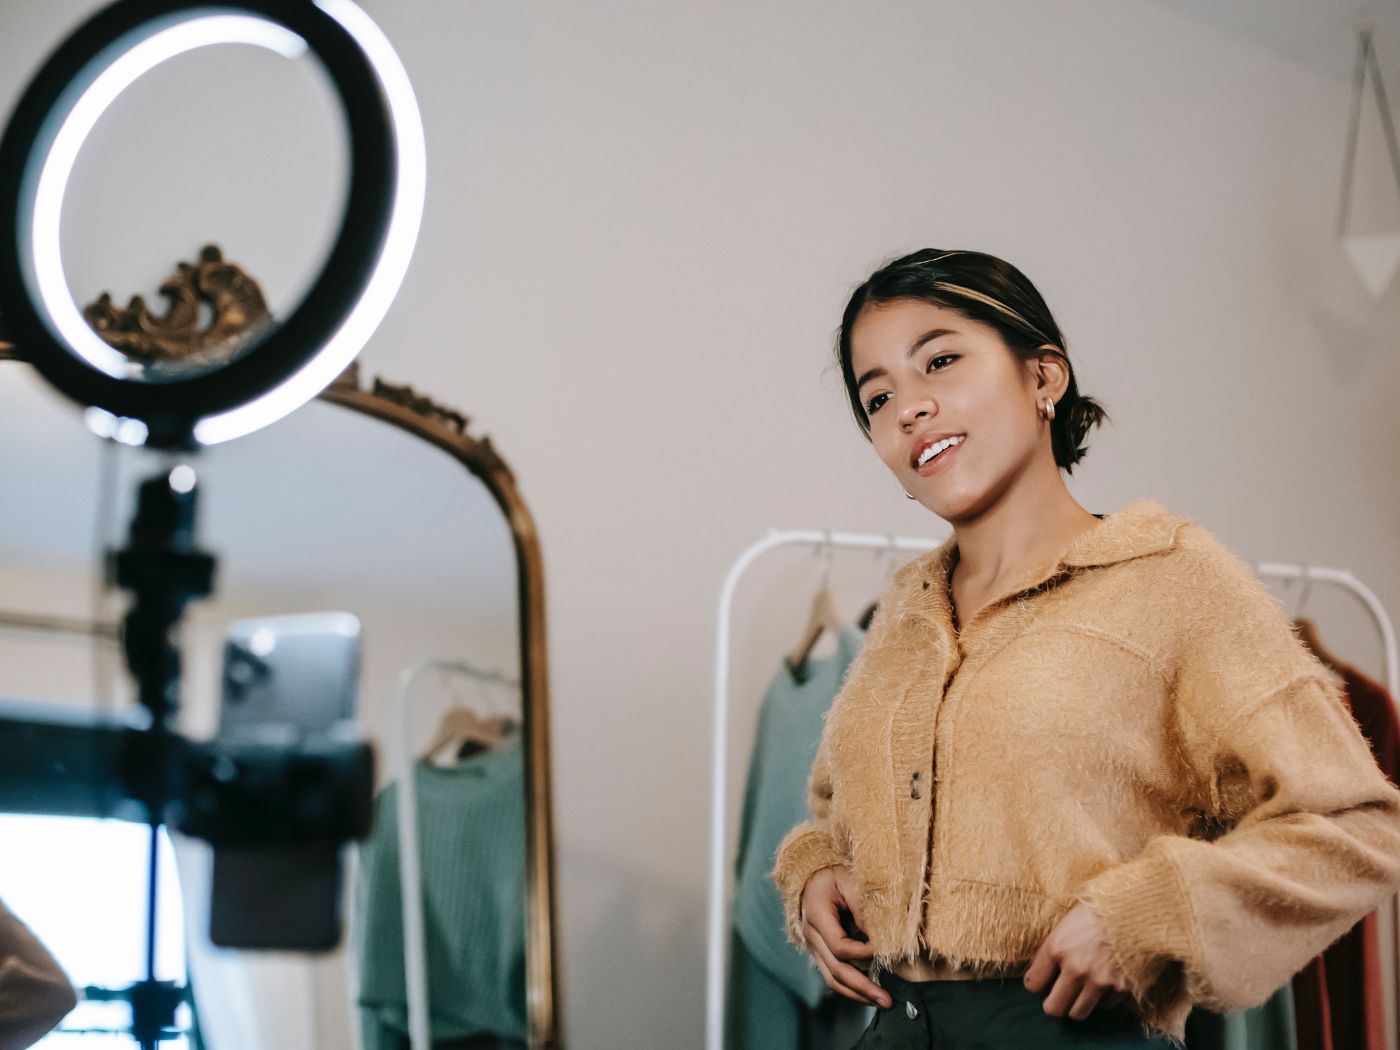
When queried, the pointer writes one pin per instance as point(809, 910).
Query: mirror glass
point(326, 510)
point(238, 142)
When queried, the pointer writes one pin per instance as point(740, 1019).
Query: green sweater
point(775, 798)
point(471, 830)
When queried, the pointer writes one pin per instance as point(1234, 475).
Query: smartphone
point(289, 677)
point(287, 681)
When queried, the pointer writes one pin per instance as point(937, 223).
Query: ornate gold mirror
point(326, 509)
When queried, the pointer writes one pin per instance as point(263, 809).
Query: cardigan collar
point(1141, 528)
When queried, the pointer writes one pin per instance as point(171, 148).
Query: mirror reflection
point(328, 510)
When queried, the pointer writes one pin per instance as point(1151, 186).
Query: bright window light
point(80, 885)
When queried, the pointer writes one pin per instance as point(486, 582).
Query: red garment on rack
point(1337, 996)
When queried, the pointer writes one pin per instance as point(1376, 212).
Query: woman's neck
point(1013, 537)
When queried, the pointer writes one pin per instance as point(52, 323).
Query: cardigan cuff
point(1146, 915)
point(805, 851)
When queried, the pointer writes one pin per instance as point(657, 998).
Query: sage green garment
point(776, 1000)
point(1273, 1025)
point(471, 829)
point(760, 1014)
point(775, 801)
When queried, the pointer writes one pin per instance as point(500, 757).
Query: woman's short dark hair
point(990, 290)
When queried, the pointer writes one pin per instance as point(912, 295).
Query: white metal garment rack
point(719, 884)
point(415, 961)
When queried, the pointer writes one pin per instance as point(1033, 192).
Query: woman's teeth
point(939, 446)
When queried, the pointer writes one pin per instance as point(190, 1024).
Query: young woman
point(1082, 774)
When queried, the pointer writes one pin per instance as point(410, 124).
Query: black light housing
point(296, 358)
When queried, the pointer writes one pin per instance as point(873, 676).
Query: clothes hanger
point(487, 686)
point(822, 617)
point(1307, 630)
point(462, 725)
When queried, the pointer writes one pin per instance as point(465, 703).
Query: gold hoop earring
point(906, 492)
point(1049, 412)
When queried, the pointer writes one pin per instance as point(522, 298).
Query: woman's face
point(927, 373)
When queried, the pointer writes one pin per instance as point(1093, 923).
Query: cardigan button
point(910, 1011)
point(914, 786)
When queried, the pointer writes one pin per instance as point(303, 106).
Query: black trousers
point(994, 1014)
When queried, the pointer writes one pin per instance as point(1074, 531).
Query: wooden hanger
point(890, 566)
point(822, 617)
point(462, 725)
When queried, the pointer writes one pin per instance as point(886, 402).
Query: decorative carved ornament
point(445, 421)
point(211, 288)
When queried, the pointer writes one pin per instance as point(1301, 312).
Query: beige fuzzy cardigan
point(1134, 725)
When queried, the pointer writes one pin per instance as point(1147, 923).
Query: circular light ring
point(347, 300)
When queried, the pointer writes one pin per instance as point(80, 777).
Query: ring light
point(299, 357)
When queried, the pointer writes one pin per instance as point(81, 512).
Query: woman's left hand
point(1088, 976)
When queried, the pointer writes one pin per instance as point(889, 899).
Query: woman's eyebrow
point(924, 339)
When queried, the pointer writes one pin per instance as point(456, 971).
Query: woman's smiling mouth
point(930, 454)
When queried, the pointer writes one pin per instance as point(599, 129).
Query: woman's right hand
point(825, 895)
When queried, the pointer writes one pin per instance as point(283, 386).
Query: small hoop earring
point(906, 492)
point(1049, 412)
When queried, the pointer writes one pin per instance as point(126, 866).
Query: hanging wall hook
point(1375, 256)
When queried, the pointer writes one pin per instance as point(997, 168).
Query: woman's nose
point(913, 412)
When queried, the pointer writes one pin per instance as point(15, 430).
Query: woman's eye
point(873, 405)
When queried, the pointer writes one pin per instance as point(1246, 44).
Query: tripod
point(165, 570)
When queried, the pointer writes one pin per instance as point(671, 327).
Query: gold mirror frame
point(402, 407)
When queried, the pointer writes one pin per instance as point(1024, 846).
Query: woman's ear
point(1052, 375)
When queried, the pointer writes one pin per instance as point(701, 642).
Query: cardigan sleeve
point(820, 842)
point(1297, 834)
point(809, 847)
point(34, 993)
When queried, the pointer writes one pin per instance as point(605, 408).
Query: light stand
point(302, 800)
point(164, 570)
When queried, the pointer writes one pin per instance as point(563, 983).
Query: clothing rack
point(410, 869)
point(1289, 571)
point(719, 884)
point(37, 624)
point(720, 888)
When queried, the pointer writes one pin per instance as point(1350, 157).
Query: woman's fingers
point(841, 977)
point(822, 900)
point(827, 979)
point(823, 958)
point(1040, 971)
point(826, 921)
point(1061, 996)
point(1089, 996)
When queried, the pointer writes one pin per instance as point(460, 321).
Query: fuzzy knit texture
point(1134, 725)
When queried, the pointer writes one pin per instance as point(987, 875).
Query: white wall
point(642, 223)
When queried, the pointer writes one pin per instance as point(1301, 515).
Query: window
point(80, 885)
